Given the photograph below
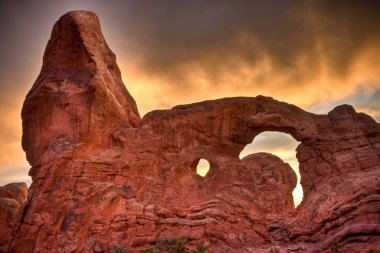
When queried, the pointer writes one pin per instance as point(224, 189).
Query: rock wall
point(102, 177)
point(12, 196)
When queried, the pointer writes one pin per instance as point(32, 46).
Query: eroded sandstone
point(12, 196)
point(102, 177)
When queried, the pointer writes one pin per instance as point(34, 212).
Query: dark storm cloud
point(300, 40)
point(220, 36)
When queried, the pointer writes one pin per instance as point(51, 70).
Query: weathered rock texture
point(79, 95)
point(103, 177)
point(12, 196)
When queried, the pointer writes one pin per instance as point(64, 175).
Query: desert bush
point(150, 250)
point(171, 245)
point(119, 249)
point(274, 250)
point(200, 249)
point(175, 245)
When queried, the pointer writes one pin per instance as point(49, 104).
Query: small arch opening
point(203, 167)
point(282, 145)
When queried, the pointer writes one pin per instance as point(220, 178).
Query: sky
point(314, 54)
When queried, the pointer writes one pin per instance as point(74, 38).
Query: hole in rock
point(203, 167)
point(282, 145)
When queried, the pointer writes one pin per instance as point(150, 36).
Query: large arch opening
point(282, 145)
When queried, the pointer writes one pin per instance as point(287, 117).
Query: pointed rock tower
point(80, 88)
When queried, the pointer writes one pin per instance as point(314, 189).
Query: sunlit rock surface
point(102, 177)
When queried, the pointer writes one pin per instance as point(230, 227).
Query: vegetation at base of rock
point(150, 250)
point(200, 249)
point(119, 249)
point(172, 245)
point(274, 250)
point(175, 245)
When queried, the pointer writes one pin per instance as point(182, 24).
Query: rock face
point(12, 196)
point(81, 89)
point(102, 177)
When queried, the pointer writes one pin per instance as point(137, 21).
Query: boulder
point(12, 196)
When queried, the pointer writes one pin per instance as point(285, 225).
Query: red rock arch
point(109, 177)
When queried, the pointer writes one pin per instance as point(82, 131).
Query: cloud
point(370, 105)
point(172, 52)
point(274, 140)
point(302, 52)
point(15, 174)
point(280, 144)
point(365, 98)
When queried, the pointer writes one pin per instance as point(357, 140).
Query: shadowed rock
point(103, 177)
point(12, 196)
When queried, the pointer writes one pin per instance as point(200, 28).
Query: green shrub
point(118, 249)
point(274, 250)
point(171, 245)
point(150, 250)
point(200, 249)
point(175, 245)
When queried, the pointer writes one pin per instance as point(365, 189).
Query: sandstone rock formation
point(81, 89)
point(12, 196)
point(102, 177)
